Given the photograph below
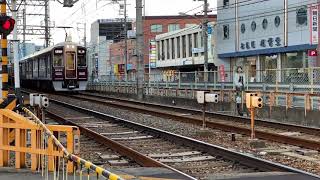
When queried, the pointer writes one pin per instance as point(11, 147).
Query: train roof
point(37, 53)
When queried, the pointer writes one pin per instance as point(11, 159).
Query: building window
point(294, 60)
point(253, 26)
point(225, 31)
point(173, 27)
point(302, 16)
point(162, 50)
point(178, 47)
point(225, 3)
point(265, 24)
point(195, 40)
point(173, 49)
point(190, 44)
point(268, 64)
point(243, 28)
point(277, 21)
point(156, 28)
point(201, 39)
point(158, 50)
point(184, 52)
point(168, 49)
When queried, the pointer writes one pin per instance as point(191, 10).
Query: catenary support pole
point(318, 48)
point(205, 39)
point(140, 45)
point(16, 53)
point(125, 42)
point(4, 46)
point(46, 22)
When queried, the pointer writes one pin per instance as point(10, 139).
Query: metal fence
point(289, 80)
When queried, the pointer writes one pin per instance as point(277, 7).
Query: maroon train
point(62, 67)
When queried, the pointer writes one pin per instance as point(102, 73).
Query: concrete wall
point(280, 114)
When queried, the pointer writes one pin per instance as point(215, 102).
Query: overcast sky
point(102, 9)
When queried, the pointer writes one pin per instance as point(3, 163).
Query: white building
point(270, 38)
point(182, 50)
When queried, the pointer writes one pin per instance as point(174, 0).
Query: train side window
point(49, 66)
point(57, 60)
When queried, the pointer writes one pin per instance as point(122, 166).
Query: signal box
point(253, 101)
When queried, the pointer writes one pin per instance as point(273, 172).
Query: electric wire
point(14, 10)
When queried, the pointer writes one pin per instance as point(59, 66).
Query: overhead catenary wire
point(279, 11)
point(14, 10)
point(86, 13)
point(246, 3)
point(258, 15)
point(165, 20)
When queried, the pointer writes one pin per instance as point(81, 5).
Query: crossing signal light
point(6, 24)
point(256, 102)
point(253, 100)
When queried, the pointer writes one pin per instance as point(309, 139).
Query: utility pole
point(46, 23)
point(24, 27)
point(125, 42)
point(139, 46)
point(318, 48)
point(205, 39)
point(85, 25)
point(16, 53)
point(85, 34)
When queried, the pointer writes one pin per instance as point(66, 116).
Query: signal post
point(6, 27)
point(253, 101)
point(4, 58)
point(204, 98)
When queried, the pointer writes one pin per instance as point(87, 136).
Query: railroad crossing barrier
point(47, 153)
point(22, 127)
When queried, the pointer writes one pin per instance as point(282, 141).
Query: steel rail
point(311, 144)
point(261, 122)
point(247, 160)
point(69, 156)
point(121, 149)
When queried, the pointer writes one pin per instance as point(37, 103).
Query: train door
point(70, 65)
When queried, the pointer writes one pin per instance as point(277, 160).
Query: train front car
point(69, 68)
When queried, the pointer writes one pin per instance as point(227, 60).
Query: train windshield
point(70, 61)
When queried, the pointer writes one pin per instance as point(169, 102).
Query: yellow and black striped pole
point(4, 59)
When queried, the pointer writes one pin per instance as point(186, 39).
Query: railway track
point(95, 152)
point(306, 137)
point(189, 157)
